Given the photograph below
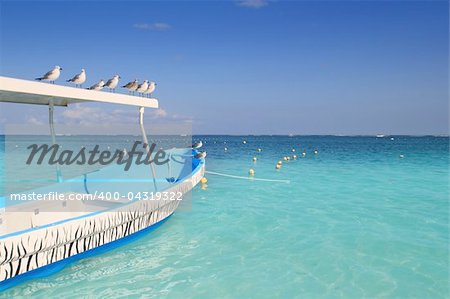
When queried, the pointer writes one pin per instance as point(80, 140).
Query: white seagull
point(142, 87)
point(200, 156)
point(112, 83)
point(98, 86)
point(197, 145)
point(79, 79)
point(52, 75)
point(151, 88)
point(131, 86)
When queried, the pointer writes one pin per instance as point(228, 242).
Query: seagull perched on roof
point(151, 88)
point(52, 75)
point(201, 155)
point(142, 87)
point(197, 144)
point(97, 86)
point(131, 86)
point(79, 79)
point(112, 83)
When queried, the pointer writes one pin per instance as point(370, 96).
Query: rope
point(247, 178)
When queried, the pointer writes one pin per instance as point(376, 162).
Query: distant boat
point(380, 136)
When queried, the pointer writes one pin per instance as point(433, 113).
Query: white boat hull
point(33, 249)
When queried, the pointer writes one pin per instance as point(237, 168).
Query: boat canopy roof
point(29, 92)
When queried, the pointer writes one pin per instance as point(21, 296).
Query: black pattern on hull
point(40, 247)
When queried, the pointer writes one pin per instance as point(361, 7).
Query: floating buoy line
point(251, 171)
point(247, 178)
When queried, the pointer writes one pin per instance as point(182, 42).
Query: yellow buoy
point(251, 172)
point(204, 180)
point(294, 157)
point(278, 166)
point(279, 162)
point(288, 158)
point(254, 159)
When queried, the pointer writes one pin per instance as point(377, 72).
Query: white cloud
point(158, 26)
point(179, 57)
point(159, 113)
point(34, 121)
point(90, 115)
point(252, 3)
point(164, 116)
point(84, 115)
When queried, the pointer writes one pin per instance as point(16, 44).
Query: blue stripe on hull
point(59, 265)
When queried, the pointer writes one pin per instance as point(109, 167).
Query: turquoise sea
point(358, 220)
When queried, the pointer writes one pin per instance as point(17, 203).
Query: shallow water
point(356, 221)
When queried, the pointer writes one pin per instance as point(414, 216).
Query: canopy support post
point(147, 146)
point(52, 133)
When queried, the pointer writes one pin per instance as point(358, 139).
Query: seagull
point(52, 75)
point(142, 87)
point(151, 88)
point(79, 79)
point(201, 155)
point(112, 83)
point(98, 86)
point(131, 86)
point(197, 144)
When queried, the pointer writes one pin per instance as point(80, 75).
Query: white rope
point(247, 178)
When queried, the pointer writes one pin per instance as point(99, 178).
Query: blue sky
point(245, 67)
